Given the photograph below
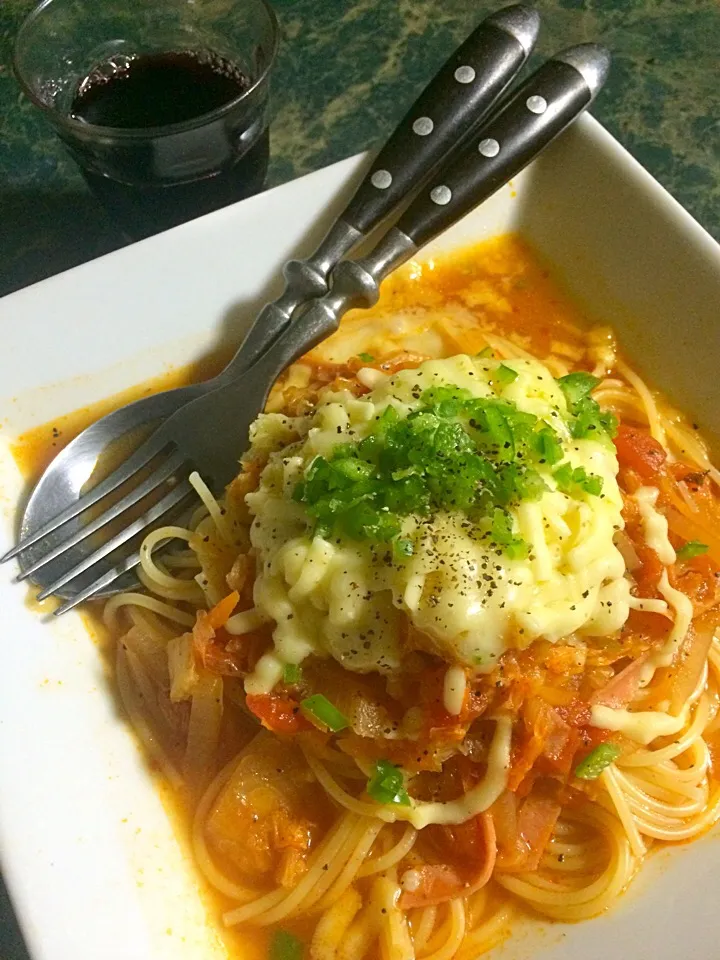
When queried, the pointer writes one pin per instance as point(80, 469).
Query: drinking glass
point(154, 175)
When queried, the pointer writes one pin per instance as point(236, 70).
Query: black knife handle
point(446, 113)
point(541, 109)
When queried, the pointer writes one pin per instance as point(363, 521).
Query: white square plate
point(92, 864)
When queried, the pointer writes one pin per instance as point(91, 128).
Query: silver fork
point(452, 105)
point(210, 433)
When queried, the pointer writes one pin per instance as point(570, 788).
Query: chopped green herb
point(577, 480)
point(319, 709)
point(366, 357)
point(403, 548)
point(693, 548)
point(387, 784)
point(502, 533)
point(292, 673)
point(454, 452)
point(591, 421)
point(485, 354)
point(505, 375)
point(547, 446)
point(595, 762)
point(577, 386)
point(285, 946)
point(588, 420)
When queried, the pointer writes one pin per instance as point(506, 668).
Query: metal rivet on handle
point(489, 147)
point(381, 179)
point(536, 104)
point(465, 74)
point(423, 126)
point(441, 195)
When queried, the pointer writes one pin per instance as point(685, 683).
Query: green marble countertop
point(662, 102)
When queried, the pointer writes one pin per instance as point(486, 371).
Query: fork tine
point(129, 563)
point(163, 473)
point(169, 501)
point(142, 456)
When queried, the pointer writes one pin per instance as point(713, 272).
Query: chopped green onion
point(285, 946)
point(693, 548)
point(485, 354)
point(577, 480)
point(366, 357)
point(505, 375)
point(454, 451)
point(517, 549)
point(292, 673)
point(319, 709)
point(577, 386)
point(387, 784)
point(502, 533)
point(588, 419)
point(547, 446)
point(591, 421)
point(595, 762)
point(353, 469)
point(403, 548)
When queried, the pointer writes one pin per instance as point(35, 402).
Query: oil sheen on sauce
point(507, 289)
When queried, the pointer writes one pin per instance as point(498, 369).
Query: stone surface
point(347, 69)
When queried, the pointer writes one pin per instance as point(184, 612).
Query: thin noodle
point(454, 934)
point(392, 857)
point(347, 888)
point(150, 603)
point(212, 506)
point(655, 423)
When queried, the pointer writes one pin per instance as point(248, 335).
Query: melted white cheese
point(343, 598)
point(655, 525)
point(420, 813)
point(454, 688)
point(642, 727)
point(648, 605)
point(245, 622)
point(683, 610)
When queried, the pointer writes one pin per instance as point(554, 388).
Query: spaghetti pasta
point(484, 681)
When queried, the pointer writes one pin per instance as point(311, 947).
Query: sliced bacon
point(623, 686)
point(440, 882)
point(693, 656)
point(525, 840)
point(546, 735)
point(536, 822)
point(698, 579)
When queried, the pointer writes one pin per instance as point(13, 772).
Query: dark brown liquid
point(153, 183)
point(157, 89)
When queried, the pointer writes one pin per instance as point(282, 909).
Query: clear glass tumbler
point(162, 103)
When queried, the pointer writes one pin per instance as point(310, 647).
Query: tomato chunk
point(637, 450)
point(277, 713)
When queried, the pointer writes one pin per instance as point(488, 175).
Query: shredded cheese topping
point(655, 525)
point(642, 726)
point(421, 813)
point(454, 689)
point(467, 602)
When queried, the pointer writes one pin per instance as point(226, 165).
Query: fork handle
point(445, 114)
point(541, 109)
point(538, 112)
